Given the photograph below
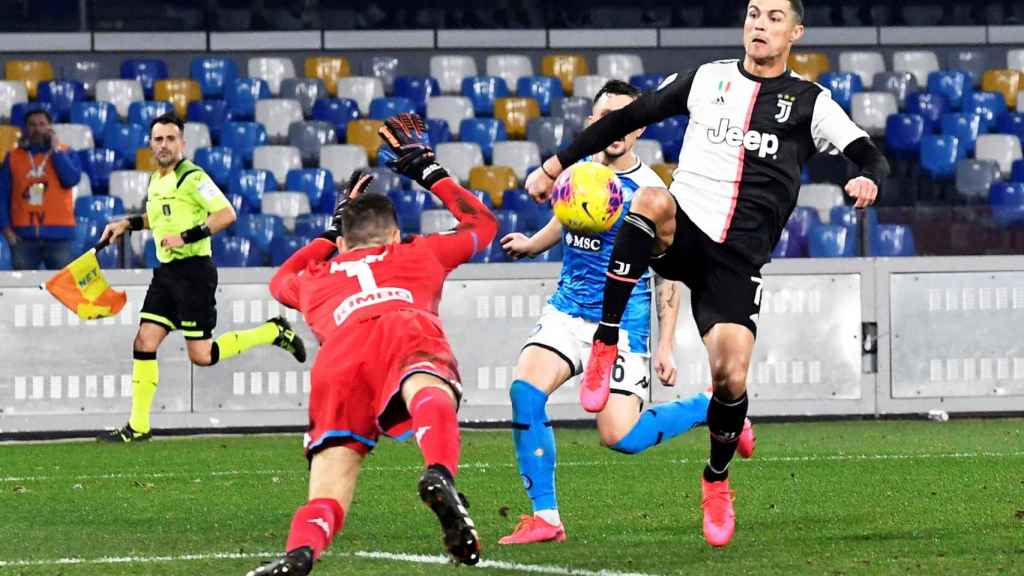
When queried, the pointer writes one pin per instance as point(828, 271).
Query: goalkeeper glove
point(408, 152)
point(357, 184)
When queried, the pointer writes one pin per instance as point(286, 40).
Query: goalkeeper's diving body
point(184, 208)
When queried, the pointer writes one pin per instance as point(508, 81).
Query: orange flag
point(82, 287)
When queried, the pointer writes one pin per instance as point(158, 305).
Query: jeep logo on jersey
point(765, 144)
point(583, 242)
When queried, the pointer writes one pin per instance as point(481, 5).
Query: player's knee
point(200, 357)
point(730, 374)
point(654, 203)
point(614, 439)
point(144, 344)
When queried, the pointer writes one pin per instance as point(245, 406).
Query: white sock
point(549, 516)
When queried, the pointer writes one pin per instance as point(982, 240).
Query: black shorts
point(724, 286)
point(182, 296)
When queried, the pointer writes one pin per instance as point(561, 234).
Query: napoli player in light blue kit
point(560, 345)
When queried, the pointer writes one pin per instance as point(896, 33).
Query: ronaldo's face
point(610, 103)
point(769, 29)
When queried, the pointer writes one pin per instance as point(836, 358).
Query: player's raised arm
point(411, 156)
point(830, 126)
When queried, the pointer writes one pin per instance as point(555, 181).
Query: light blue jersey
point(581, 285)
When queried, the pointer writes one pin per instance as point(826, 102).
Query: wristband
point(136, 223)
point(546, 173)
point(196, 233)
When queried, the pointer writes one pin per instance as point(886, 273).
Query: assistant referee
point(184, 208)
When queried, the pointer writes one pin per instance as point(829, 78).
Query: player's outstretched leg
point(437, 490)
point(663, 422)
point(726, 422)
point(276, 331)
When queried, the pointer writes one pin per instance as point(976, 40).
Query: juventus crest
point(785, 108)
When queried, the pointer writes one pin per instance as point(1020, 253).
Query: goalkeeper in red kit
point(384, 364)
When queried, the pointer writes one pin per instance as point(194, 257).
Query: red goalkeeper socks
point(436, 427)
point(315, 525)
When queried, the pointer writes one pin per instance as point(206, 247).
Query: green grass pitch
point(863, 497)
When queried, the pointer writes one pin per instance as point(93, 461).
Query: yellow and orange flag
point(82, 287)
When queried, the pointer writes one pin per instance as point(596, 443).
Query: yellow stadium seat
point(145, 161)
point(494, 180)
point(31, 72)
point(1006, 82)
point(565, 67)
point(810, 65)
point(9, 136)
point(177, 91)
point(516, 113)
point(364, 133)
point(328, 69)
point(664, 171)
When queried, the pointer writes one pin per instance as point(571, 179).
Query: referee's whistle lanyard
point(37, 190)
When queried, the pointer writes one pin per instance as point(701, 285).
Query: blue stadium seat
point(283, 247)
point(312, 225)
point(102, 208)
point(543, 89)
point(850, 216)
point(554, 254)
point(1007, 202)
point(799, 225)
point(518, 201)
point(669, 132)
point(21, 109)
point(231, 251)
point(110, 257)
point(831, 241)
point(384, 108)
point(930, 107)
point(214, 75)
point(146, 70)
point(541, 216)
point(989, 105)
point(484, 255)
point(242, 95)
point(143, 113)
point(62, 95)
point(88, 229)
point(243, 138)
point(783, 246)
point(1011, 123)
point(126, 139)
point(481, 196)
point(508, 222)
point(261, 230)
point(149, 259)
point(483, 131)
point(337, 111)
point(647, 82)
point(888, 240)
point(220, 162)
point(1017, 171)
point(317, 184)
point(96, 115)
point(409, 207)
point(843, 86)
point(251, 185)
point(98, 163)
point(482, 91)
point(965, 127)
point(939, 155)
point(903, 133)
point(954, 85)
point(239, 203)
point(417, 89)
point(438, 131)
point(213, 113)
point(5, 255)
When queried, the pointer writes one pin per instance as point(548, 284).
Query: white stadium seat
point(450, 70)
point(362, 89)
point(1003, 148)
point(871, 109)
point(509, 67)
point(588, 86)
point(520, 155)
point(864, 64)
point(276, 115)
point(287, 205)
point(273, 70)
point(197, 135)
point(451, 109)
point(619, 66)
point(649, 152)
point(120, 93)
point(76, 136)
point(920, 63)
point(11, 92)
point(342, 160)
point(459, 158)
point(821, 197)
point(277, 159)
point(131, 186)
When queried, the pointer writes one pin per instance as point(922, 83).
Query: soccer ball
point(587, 198)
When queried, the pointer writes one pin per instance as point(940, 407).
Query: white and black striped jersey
point(744, 148)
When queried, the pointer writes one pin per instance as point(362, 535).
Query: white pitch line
point(485, 466)
point(498, 564)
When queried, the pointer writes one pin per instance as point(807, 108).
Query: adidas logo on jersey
point(582, 242)
point(764, 144)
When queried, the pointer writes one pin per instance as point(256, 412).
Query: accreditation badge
point(35, 193)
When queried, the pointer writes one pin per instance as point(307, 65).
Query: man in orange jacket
point(37, 207)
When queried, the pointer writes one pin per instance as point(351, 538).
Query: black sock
point(725, 421)
point(630, 256)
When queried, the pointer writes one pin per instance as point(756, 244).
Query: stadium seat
point(146, 161)
point(784, 247)
point(260, 229)
point(520, 156)
point(438, 131)
point(972, 61)
point(1015, 59)
point(277, 159)
point(30, 72)
point(864, 64)
point(1005, 82)
point(99, 207)
point(619, 66)
point(212, 113)
point(988, 105)
point(362, 89)
point(516, 113)
point(418, 90)
point(341, 160)
point(494, 180)
point(974, 178)
point(449, 70)
point(317, 184)
point(665, 171)
point(88, 227)
point(11, 92)
point(364, 133)
point(337, 111)
point(9, 136)
point(669, 133)
point(509, 67)
point(98, 163)
point(125, 139)
point(214, 75)
point(147, 71)
point(1011, 123)
point(313, 224)
point(283, 247)
point(649, 151)
point(309, 137)
point(143, 113)
point(61, 94)
point(231, 251)
point(277, 114)
point(197, 135)
point(548, 134)
point(243, 138)
point(1017, 171)
point(5, 255)
point(483, 91)
point(903, 133)
point(386, 180)
point(484, 132)
point(870, 110)
point(272, 70)
point(930, 107)
point(821, 197)
point(843, 86)
point(574, 110)
point(939, 155)
point(799, 225)
point(75, 136)
point(899, 84)
point(83, 188)
point(832, 241)
point(891, 240)
point(810, 65)
point(385, 68)
point(451, 109)
point(131, 186)
point(647, 82)
point(327, 69)
point(920, 63)
point(110, 258)
point(518, 201)
point(386, 107)
point(242, 96)
point(21, 110)
point(1004, 149)
point(1006, 200)
point(179, 92)
point(954, 85)
point(286, 205)
point(305, 90)
point(220, 162)
point(543, 89)
point(251, 185)
point(565, 67)
point(587, 86)
point(459, 158)
point(88, 72)
point(120, 93)
point(408, 208)
point(966, 129)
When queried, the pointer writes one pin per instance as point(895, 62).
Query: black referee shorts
point(182, 296)
point(724, 286)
